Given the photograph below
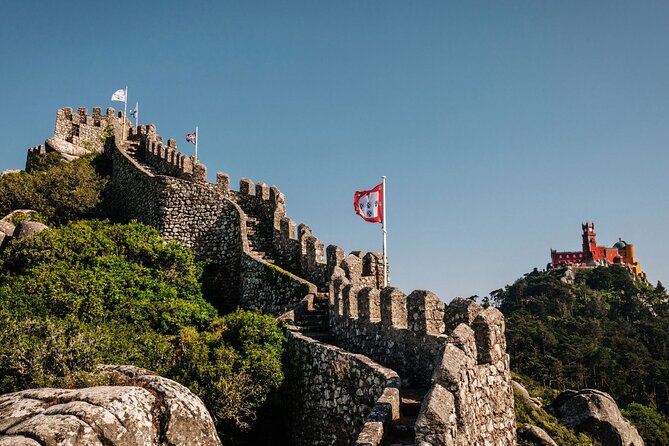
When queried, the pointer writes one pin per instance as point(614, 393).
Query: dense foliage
point(58, 190)
point(606, 331)
point(246, 347)
point(653, 426)
point(93, 292)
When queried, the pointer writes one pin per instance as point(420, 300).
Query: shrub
point(652, 425)
point(92, 292)
point(60, 191)
point(233, 365)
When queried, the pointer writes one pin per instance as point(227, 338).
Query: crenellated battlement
point(470, 383)
point(37, 150)
point(458, 351)
point(82, 129)
point(270, 231)
point(265, 260)
point(164, 159)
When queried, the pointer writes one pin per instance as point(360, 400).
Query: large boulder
point(67, 150)
point(536, 435)
point(596, 414)
point(521, 391)
point(26, 228)
point(145, 409)
point(7, 228)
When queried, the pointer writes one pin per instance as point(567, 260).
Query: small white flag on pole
point(119, 95)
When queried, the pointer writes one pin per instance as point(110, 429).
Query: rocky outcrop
point(26, 228)
point(66, 149)
point(536, 435)
point(596, 414)
point(145, 409)
point(524, 395)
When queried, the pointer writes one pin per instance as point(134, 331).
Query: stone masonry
point(346, 385)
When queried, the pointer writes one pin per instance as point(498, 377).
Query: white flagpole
point(136, 113)
point(197, 136)
point(125, 110)
point(383, 228)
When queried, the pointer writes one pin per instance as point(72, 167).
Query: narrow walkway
point(401, 432)
point(313, 321)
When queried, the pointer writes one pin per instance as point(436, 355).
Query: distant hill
point(593, 328)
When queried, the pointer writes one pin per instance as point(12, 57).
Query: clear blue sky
point(501, 126)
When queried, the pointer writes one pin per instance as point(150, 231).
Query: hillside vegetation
point(90, 292)
point(605, 331)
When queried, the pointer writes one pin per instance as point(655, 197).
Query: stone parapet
point(338, 398)
point(471, 397)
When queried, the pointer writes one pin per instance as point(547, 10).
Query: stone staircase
point(401, 432)
point(254, 238)
point(131, 148)
point(313, 321)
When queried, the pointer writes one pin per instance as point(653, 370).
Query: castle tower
point(589, 242)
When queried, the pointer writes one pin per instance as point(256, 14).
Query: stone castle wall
point(458, 351)
point(270, 288)
point(338, 398)
point(293, 248)
point(164, 159)
point(82, 129)
point(471, 398)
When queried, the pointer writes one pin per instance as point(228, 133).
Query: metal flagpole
point(125, 110)
point(197, 136)
point(136, 113)
point(383, 228)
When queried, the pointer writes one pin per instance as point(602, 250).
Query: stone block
point(287, 228)
point(246, 186)
point(262, 191)
point(393, 308)
point(437, 421)
point(350, 299)
point(335, 255)
point(460, 311)
point(489, 332)
point(369, 304)
point(425, 312)
point(223, 182)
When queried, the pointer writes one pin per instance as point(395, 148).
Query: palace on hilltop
point(622, 253)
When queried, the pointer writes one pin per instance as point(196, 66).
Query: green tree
point(232, 365)
point(652, 425)
point(607, 330)
point(59, 190)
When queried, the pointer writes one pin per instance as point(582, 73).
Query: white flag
point(119, 95)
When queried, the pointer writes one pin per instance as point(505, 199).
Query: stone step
point(321, 336)
point(316, 315)
point(400, 432)
point(411, 399)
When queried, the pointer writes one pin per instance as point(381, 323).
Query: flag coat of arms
point(191, 137)
point(369, 204)
point(119, 95)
